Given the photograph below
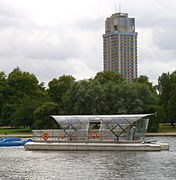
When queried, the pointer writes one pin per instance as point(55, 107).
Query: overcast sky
point(53, 37)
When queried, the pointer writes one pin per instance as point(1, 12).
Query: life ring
point(45, 135)
point(94, 134)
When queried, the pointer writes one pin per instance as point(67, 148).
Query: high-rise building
point(120, 45)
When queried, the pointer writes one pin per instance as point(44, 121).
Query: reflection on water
point(16, 163)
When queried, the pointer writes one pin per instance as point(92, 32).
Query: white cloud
point(153, 69)
point(51, 38)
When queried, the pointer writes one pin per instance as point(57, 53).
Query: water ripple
point(18, 164)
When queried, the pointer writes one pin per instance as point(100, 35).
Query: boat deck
point(80, 146)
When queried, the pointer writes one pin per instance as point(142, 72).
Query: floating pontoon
point(96, 132)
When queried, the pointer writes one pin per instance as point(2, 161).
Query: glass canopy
point(104, 127)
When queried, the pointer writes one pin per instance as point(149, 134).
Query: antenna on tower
point(115, 9)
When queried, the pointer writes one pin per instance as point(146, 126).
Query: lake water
point(16, 163)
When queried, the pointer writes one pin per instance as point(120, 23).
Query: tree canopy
point(167, 94)
point(24, 101)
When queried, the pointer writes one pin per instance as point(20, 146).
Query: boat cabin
point(91, 128)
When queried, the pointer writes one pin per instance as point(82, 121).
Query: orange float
point(45, 135)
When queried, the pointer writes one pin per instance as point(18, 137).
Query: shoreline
point(161, 134)
point(17, 135)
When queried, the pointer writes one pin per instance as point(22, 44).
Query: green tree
point(16, 108)
point(129, 98)
point(126, 99)
point(58, 87)
point(167, 89)
point(142, 79)
point(171, 109)
point(164, 89)
point(92, 97)
point(7, 114)
point(24, 111)
point(106, 76)
point(84, 97)
point(42, 115)
point(3, 89)
point(22, 83)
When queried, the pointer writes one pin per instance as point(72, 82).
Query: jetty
point(96, 133)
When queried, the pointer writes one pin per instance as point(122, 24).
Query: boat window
point(94, 125)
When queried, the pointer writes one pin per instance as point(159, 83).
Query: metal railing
point(81, 135)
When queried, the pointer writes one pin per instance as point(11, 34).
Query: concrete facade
point(120, 45)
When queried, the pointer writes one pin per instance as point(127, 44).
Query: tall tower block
point(120, 45)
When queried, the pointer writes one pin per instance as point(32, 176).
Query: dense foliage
point(167, 94)
point(26, 102)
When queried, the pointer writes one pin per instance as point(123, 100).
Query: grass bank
point(166, 128)
point(9, 131)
